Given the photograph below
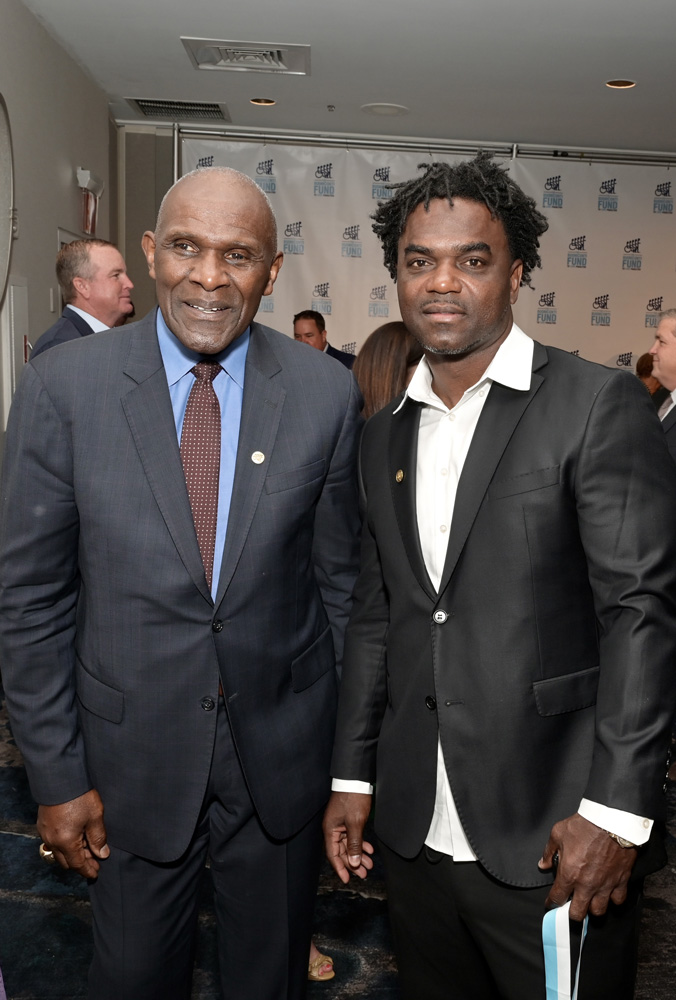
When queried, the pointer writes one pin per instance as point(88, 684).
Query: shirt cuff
point(362, 787)
point(626, 825)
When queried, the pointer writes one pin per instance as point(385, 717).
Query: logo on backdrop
point(205, 161)
point(293, 238)
point(351, 245)
point(546, 308)
point(663, 203)
point(379, 307)
point(552, 197)
point(321, 300)
point(380, 187)
point(324, 184)
point(608, 199)
point(267, 304)
point(265, 177)
point(624, 360)
point(577, 252)
point(632, 259)
point(652, 311)
point(600, 311)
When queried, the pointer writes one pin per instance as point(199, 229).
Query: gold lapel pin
point(258, 457)
point(399, 475)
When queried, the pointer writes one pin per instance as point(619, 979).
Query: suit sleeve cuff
point(362, 787)
point(626, 825)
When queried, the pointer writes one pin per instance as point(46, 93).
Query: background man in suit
point(509, 663)
point(310, 328)
point(95, 285)
point(664, 369)
point(167, 705)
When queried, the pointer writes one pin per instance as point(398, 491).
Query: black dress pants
point(459, 934)
point(145, 914)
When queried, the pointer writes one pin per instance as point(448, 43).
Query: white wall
point(59, 121)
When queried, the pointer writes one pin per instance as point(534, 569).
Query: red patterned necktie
point(201, 457)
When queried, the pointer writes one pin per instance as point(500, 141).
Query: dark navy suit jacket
point(342, 356)
point(69, 326)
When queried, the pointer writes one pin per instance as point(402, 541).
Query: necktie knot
point(206, 371)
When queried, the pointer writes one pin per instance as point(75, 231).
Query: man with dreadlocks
point(508, 684)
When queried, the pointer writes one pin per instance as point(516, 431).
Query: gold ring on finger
point(46, 854)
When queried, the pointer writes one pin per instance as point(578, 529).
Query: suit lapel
point(669, 420)
point(80, 324)
point(261, 412)
point(401, 472)
point(499, 418)
point(147, 407)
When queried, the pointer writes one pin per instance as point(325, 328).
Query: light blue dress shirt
point(229, 388)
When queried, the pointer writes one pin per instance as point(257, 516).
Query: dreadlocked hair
point(479, 180)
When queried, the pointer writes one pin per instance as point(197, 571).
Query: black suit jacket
point(69, 326)
point(342, 356)
point(669, 428)
point(111, 645)
point(546, 660)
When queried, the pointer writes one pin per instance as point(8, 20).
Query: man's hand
point(74, 831)
point(344, 821)
point(592, 867)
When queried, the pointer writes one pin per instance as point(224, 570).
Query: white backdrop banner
point(609, 256)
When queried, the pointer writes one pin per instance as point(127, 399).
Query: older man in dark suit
point(509, 666)
point(95, 285)
point(177, 558)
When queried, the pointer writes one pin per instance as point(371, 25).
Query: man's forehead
point(469, 211)
point(221, 190)
point(105, 258)
point(193, 205)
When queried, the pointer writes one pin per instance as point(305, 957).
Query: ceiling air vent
point(248, 57)
point(180, 111)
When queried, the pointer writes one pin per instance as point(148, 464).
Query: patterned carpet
point(44, 918)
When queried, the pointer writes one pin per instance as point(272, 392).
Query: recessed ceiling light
point(621, 84)
point(263, 102)
point(388, 110)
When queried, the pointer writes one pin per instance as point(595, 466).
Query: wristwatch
point(620, 840)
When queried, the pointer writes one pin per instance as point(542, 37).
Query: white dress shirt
point(444, 438)
point(667, 405)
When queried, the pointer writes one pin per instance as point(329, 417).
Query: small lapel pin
point(258, 457)
point(399, 476)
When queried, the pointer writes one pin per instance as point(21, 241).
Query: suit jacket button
point(430, 702)
point(217, 626)
point(440, 617)
point(208, 704)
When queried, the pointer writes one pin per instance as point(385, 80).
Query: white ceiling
point(517, 71)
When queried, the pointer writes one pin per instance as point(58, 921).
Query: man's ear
point(148, 245)
point(81, 286)
point(274, 271)
point(515, 276)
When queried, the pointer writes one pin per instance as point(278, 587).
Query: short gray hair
point(232, 174)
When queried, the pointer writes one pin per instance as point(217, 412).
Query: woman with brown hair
point(385, 364)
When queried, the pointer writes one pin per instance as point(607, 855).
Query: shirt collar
point(96, 324)
point(512, 366)
point(179, 359)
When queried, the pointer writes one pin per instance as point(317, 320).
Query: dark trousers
point(459, 934)
point(145, 914)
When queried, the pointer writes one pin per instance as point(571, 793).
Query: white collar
point(512, 366)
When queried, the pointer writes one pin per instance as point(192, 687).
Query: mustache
point(441, 305)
